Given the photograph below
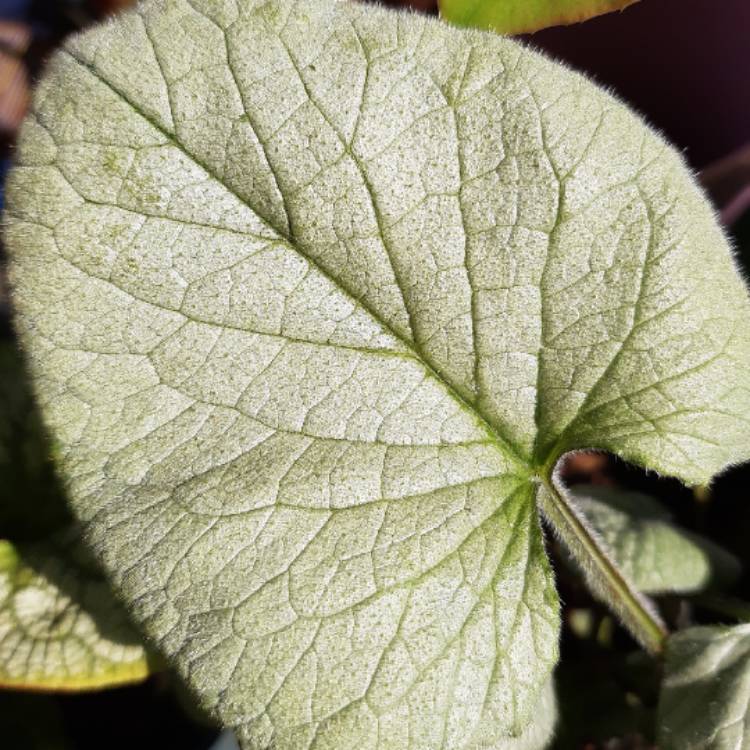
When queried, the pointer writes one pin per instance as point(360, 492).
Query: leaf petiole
point(609, 584)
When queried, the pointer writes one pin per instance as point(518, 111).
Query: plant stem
point(605, 579)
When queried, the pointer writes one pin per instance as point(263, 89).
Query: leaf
point(538, 732)
point(536, 735)
point(524, 16)
point(316, 295)
point(705, 698)
point(653, 553)
point(60, 628)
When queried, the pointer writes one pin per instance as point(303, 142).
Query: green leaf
point(316, 295)
point(705, 698)
point(657, 556)
point(60, 628)
point(524, 16)
point(539, 731)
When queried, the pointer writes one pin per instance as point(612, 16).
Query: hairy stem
point(605, 579)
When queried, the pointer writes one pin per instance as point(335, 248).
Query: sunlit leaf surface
point(315, 295)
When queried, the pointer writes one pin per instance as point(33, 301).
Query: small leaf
point(657, 556)
point(705, 697)
point(60, 628)
point(524, 16)
point(316, 295)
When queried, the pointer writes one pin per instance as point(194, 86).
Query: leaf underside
point(705, 696)
point(315, 295)
point(524, 16)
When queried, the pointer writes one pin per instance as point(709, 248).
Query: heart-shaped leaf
point(705, 698)
point(316, 296)
point(524, 16)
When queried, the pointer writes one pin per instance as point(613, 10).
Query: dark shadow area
point(143, 716)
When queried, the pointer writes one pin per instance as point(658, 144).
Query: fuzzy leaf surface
point(535, 736)
point(705, 697)
point(524, 16)
point(656, 555)
point(314, 294)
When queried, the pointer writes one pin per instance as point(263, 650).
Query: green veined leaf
point(524, 16)
point(60, 628)
point(535, 736)
point(316, 295)
point(705, 698)
point(539, 730)
point(657, 556)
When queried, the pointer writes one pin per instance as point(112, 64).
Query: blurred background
point(685, 67)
